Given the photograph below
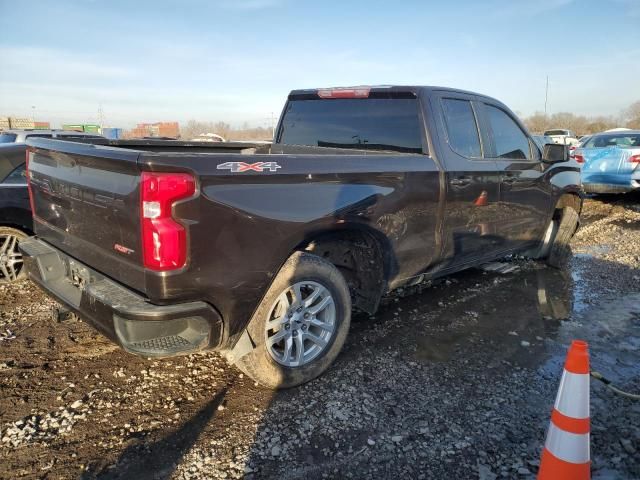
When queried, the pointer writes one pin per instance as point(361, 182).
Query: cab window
point(509, 140)
point(462, 129)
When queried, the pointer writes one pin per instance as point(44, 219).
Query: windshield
point(8, 137)
point(624, 140)
point(557, 132)
point(369, 124)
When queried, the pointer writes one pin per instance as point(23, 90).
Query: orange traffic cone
point(566, 450)
point(481, 201)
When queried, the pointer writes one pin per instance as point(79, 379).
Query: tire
point(276, 366)
point(560, 251)
point(11, 266)
point(542, 252)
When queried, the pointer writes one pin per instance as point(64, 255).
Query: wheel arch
point(22, 228)
point(362, 254)
point(570, 199)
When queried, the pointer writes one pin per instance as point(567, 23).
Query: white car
point(563, 137)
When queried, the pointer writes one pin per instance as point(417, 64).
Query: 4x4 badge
point(238, 167)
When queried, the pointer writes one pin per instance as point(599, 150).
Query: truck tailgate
point(86, 202)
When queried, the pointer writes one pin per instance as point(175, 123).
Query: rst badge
point(122, 249)
point(239, 167)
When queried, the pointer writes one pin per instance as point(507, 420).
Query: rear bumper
point(611, 182)
point(119, 313)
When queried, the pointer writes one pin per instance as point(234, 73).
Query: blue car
point(610, 162)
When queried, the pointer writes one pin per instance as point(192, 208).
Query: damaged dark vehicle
point(263, 252)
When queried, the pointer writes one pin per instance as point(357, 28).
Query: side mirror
point(554, 153)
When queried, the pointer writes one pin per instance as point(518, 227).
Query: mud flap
point(242, 347)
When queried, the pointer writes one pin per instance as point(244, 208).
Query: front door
point(472, 182)
point(524, 195)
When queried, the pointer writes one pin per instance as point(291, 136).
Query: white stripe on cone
point(573, 395)
point(570, 447)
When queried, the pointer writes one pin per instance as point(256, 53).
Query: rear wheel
point(300, 326)
point(11, 264)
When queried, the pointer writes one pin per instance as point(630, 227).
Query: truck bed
point(240, 226)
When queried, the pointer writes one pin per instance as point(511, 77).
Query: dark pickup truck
point(263, 253)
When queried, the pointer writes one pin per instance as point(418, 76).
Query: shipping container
point(21, 122)
point(42, 125)
point(112, 133)
point(82, 127)
point(74, 127)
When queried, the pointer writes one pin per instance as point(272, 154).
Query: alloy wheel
point(301, 324)
point(10, 258)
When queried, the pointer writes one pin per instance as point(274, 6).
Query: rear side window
point(462, 129)
point(509, 140)
point(7, 137)
point(386, 124)
point(17, 177)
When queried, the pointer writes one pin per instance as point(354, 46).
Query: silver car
point(21, 135)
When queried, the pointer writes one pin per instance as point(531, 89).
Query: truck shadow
point(159, 460)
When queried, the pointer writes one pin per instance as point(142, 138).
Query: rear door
point(472, 181)
point(524, 195)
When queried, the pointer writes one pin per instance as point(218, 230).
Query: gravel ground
point(456, 380)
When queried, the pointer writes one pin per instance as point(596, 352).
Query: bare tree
point(632, 115)
point(579, 124)
point(193, 128)
point(537, 123)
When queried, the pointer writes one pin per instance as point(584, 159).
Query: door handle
point(460, 181)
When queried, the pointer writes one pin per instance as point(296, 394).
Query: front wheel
point(560, 250)
point(301, 324)
point(11, 265)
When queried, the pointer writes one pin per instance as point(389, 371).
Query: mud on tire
point(268, 364)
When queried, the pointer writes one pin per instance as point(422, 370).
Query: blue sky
point(236, 60)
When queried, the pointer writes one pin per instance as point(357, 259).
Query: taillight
point(28, 175)
point(355, 92)
point(572, 151)
point(635, 159)
point(164, 241)
point(578, 157)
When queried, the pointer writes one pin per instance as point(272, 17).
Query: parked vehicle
point(563, 137)
point(262, 254)
point(15, 214)
point(20, 136)
point(611, 162)
point(209, 137)
point(581, 141)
